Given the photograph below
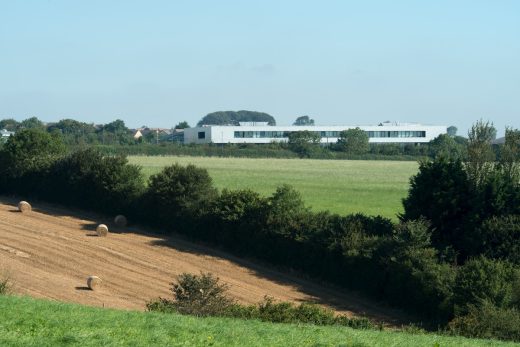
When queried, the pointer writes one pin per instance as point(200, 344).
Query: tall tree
point(445, 146)
point(353, 141)
point(9, 124)
point(31, 123)
point(233, 118)
point(303, 120)
point(481, 157)
point(182, 125)
point(304, 142)
point(510, 155)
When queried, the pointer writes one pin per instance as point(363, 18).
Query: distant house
point(138, 134)
point(4, 134)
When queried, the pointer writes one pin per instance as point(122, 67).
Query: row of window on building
point(326, 134)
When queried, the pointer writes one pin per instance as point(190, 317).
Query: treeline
point(116, 138)
point(452, 259)
point(273, 150)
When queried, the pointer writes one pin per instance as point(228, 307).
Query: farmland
point(339, 186)
point(50, 252)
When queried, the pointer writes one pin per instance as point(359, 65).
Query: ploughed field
point(50, 252)
point(374, 187)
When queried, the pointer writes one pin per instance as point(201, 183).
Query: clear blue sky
point(342, 62)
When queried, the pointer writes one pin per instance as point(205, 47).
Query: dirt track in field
point(50, 252)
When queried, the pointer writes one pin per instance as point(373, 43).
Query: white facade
point(4, 134)
point(386, 133)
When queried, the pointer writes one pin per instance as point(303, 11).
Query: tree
point(31, 123)
point(116, 131)
point(304, 142)
point(442, 193)
point(510, 154)
point(9, 124)
point(452, 131)
point(303, 120)
point(499, 238)
point(182, 125)
point(233, 118)
point(116, 127)
point(286, 209)
point(481, 280)
point(88, 179)
point(480, 153)
point(445, 146)
point(74, 132)
point(179, 193)
point(25, 158)
point(353, 141)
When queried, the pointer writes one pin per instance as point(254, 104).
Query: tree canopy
point(303, 120)
point(233, 118)
point(182, 125)
point(353, 141)
point(9, 124)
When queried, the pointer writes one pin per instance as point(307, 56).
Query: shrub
point(178, 194)
point(269, 310)
point(89, 179)
point(304, 143)
point(441, 192)
point(484, 280)
point(353, 141)
point(202, 295)
point(488, 322)
point(238, 218)
point(286, 209)
point(499, 238)
point(5, 285)
point(25, 159)
point(199, 295)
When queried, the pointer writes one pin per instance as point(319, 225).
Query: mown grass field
point(30, 322)
point(339, 186)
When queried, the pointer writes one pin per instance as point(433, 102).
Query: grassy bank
point(30, 322)
point(371, 187)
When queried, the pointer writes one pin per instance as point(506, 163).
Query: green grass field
point(31, 322)
point(339, 186)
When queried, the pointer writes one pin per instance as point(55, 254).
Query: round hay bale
point(24, 206)
point(102, 230)
point(93, 282)
point(120, 220)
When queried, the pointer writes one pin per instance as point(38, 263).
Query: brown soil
point(50, 252)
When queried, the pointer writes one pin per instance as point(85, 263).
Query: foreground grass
point(339, 186)
point(30, 322)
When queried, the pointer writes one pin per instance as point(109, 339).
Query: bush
point(88, 179)
point(499, 238)
point(488, 322)
point(238, 218)
point(483, 280)
point(178, 195)
point(5, 285)
point(202, 295)
point(199, 295)
point(285, 312)
point(441, 193)
point(25, 160)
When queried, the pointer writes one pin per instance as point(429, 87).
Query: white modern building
point(4, 134)
point(250, 132)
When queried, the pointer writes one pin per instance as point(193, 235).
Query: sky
point(157, 63)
